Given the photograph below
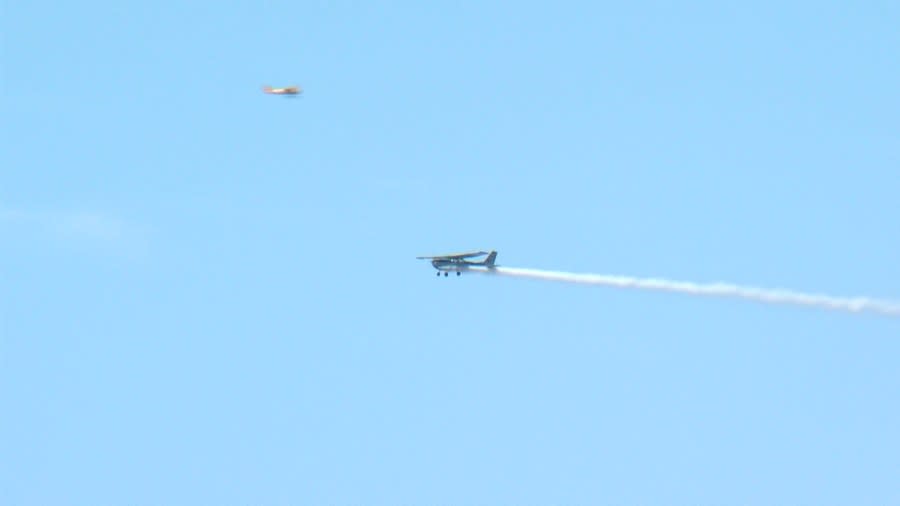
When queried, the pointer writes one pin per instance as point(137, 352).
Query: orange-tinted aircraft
point(289, 90)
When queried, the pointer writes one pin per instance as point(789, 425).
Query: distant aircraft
point(288, 91)
point(460, 262)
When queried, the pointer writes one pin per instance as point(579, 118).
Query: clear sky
point(210, 295)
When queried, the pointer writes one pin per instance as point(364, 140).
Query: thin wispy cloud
point(92, 226)
point(74, 227)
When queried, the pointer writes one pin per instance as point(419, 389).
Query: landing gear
point(458, 273)
point(446, 274)
point(438, 273)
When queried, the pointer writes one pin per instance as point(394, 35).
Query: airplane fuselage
point(288, 91)
point(458, 266)
point(451, 266)
point(458, 263)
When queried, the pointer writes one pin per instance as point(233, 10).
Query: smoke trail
point(854, 304)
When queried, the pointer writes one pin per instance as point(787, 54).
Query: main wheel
point(446, 274)
point(458, 273)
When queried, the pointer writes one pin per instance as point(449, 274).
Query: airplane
point(460, 262)
point(287, 91)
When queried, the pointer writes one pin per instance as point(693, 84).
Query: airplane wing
point(455, 256)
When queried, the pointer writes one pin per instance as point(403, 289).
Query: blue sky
point(209, 295)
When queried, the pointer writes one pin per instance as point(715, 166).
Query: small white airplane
point(288, 90)
point(459, 262)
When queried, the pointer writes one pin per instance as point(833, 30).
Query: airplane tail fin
point(489, 261)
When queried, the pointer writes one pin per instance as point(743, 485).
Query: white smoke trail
point(854, 304)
